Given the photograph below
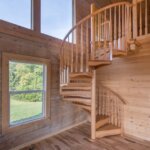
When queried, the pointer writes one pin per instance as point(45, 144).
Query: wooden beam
point(36, 15)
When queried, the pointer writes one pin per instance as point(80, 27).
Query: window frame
point(6, 57)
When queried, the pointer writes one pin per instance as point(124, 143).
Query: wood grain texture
point(18, 40)
point(129, 77)
point(82, 7)
point(79, 138)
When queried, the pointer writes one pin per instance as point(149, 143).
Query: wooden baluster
point(110, 24)
point(100, 100)
point(77, 46)
point(105, 33)
point(87, 46)
point(140, 19)
point(129, 31)
point(65, 74)
point(68, 61)
point(92, 32)
point(115, 118)
point(96, 28)
point(126, 26)
point(116, 111)
point(115, 29)
point(102, 91)
point(135, 19)
point(119, 119)
point(103, 102)
point(109, 108)
point(112, 110)
point(123, 27)
point(119, 29)
point(106, 104)
point(130, 26)
point(146, 17)
point(99, 31)
point(61, 66)
point(97, 101)
point(72, 53)
point(82, 50)
point(121, 111)
point(110, 34)
point(103, 27)
point(65, 64)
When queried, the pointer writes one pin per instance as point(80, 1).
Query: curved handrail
point(116, 94)
point(94, 38)
point(93, 14)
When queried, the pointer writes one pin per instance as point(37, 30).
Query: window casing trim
point(6, 57)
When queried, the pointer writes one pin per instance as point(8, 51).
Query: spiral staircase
point(93, 42)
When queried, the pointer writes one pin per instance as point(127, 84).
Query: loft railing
point(109, 104)
point(141, 17)
point(94, 38)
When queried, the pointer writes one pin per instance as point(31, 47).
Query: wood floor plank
point(78, 138)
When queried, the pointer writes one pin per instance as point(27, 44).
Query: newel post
point(135, 29)
point(93, 106)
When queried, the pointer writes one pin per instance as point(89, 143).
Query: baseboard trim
point(137, 139)
point(46, 136)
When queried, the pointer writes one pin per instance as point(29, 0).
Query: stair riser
point(77, 94)
point(86, 102)
point(88, 108)
point(102, 123)
point(100, 134)
point(76, 88)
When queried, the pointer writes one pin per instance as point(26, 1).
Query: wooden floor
point(78, 139)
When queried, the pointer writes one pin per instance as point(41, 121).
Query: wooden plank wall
point(19, 40)
point(130, 78)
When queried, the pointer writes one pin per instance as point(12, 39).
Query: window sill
point(16, 128)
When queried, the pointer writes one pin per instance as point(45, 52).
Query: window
point(16, 11)
point(56, 17)
point(25, 93)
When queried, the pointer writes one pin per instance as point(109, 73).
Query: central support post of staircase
point(93, 106)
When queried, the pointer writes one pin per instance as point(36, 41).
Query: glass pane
point(25, 107)
point(25, 76)
point(16, 11)
point(26, 88)
point(56, 17)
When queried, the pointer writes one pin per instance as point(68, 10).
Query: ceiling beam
point(36, 15)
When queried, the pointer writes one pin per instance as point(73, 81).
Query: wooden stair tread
point(97, 63)
point(101, 117)
point(79, 85)
point(81, 74)
point(83, 106)
point(101, 120)
point(108, 130)
point(83, 94)
point(117, 52)
point(79, 100)
point(81, 80)
point(76, 88)
point(134, 41)
point(108, 127)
